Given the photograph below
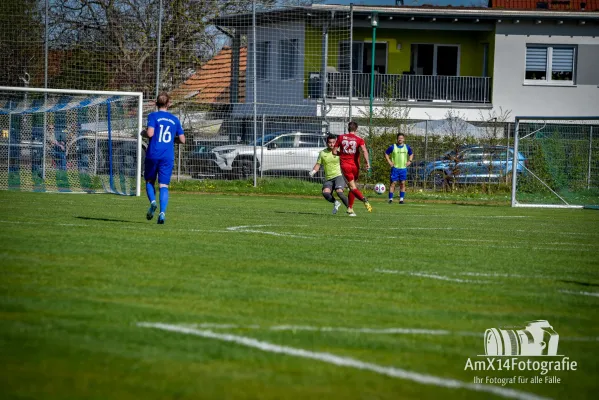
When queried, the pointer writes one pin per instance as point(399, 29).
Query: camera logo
point(536, 338)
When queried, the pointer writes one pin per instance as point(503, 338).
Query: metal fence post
point(158, 45)
point(96, 146)
point(323, 68)
point(507, 153)
point(45, 94)
point(590, 157)
point(9, 135)
point(179, 152)
point(254, 77)
point(351, 54)
point(515, 163)
point(425, 151)
point(179, 163)
point(262, 145)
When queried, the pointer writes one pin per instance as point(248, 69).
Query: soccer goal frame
point(109, 96)
point(523, 168)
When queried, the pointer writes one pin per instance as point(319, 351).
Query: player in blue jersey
point(399, 156)
point(164, 129)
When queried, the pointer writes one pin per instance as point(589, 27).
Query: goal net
point(70, 141)
point(557, 162)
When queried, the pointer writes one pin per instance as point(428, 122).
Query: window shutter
point(536, 58)
point(563, 59)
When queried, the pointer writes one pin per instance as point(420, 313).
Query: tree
point(455, 133)
point(494, 124)
point(388, 119)
point(21, 42)
point(118, 39)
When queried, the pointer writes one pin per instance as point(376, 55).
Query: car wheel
point(243, 169)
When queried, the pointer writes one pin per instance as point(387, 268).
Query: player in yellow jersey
point(399, 156)
point(333, 178)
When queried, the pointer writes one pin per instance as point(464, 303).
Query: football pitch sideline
point(246, 297)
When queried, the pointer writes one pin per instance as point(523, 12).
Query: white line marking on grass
point(557, 232)
point(494, 274)
point(374, 331)
point(207, 230)
point(248, 229)
point(348, 362)
point(360, 330)
point(387, 331)
point(20, 222)
point(427, 275)
point(383, 331)
point(216, 326)
point(595, 294)
point(503, 216)
point(72, 225)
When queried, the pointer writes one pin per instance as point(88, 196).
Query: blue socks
point(163, 199)
point(401, 195)
point(390, 195)
point(150, 191)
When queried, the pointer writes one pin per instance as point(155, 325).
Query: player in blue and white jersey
point(163, 130)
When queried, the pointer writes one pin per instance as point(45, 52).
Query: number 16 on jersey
point(165, 135)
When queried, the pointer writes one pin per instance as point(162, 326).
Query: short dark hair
point(162, 100)
point(331, 136)
point(401, 134)
point(352, 126)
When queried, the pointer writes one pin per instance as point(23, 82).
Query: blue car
point(472, 165)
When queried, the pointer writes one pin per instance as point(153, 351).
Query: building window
point(288, 58)
point(552, 64)
point(356, 60)
point(263, 60)
point(435, 59)
point(362, 57)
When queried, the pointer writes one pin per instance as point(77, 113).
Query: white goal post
point(557, 162)
point(68, 140)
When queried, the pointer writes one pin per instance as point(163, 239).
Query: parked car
point(199, 160)
point(471, 165)
point(289, 154)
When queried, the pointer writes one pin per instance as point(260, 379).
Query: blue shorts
point(399, 174)
point(162, 168)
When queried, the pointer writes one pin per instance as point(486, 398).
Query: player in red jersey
point(348, 147)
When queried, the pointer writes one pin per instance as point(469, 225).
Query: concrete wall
point(273, 89)
point(510, 92)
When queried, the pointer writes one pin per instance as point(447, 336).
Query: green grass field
point(275, 298)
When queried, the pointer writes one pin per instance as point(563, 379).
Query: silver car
point(288, 154)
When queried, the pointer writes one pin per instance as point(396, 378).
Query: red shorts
point(351, 172)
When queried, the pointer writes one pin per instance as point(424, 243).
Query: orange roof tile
point(212, 83)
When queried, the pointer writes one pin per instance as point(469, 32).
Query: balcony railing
point(405, 87)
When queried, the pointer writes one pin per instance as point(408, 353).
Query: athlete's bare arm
point(365, 154)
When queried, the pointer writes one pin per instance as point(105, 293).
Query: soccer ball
point(380, 188)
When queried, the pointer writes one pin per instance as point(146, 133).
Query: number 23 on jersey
point(349, 146)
